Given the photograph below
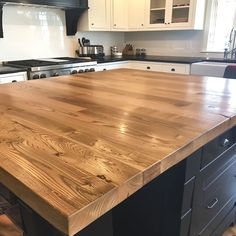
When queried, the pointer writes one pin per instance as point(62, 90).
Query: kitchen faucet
point(230, 52)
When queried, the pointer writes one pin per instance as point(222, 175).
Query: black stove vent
point(73, 10)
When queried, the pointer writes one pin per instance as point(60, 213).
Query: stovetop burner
point(50, 67)
point(47, 62)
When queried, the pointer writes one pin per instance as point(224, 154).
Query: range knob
point(81, 71)
point(55, 74)
point(86, 70)
point(73, 72)
point(35, 76)
point(43, 76)
point(92, 70)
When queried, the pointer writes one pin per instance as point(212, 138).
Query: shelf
point(181, 7)
point(158, 9)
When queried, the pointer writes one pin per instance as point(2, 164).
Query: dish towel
point(230, 72)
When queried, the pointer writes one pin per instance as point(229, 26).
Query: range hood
point(73, 10)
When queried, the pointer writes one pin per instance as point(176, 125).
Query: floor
point(230, 232)
point(7, 227)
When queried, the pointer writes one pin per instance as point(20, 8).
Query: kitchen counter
point(169, 59)
point(73, 147)
point(8, 69)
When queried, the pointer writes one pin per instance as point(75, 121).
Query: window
point(221, 19)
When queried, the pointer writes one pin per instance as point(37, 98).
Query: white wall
point(36, 32)
point(175, 43)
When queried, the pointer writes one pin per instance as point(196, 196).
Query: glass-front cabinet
point(180, 11)
point(158, 12)
point(173, 13)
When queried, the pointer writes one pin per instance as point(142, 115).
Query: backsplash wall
point(175, 43)
point(37, 32)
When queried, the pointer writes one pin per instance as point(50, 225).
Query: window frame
point(209, 6)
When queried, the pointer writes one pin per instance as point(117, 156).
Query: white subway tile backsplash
point(172, 43)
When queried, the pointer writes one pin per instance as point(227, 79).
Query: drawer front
point(150, 66)
point(188, 196)
point(228, 221)
point(176, 68)
point(217, 146)
point(215, 186)
point(216, 225)
point(13, 77)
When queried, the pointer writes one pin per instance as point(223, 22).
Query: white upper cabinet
point(98, 16)
point(175, 14)
point(136, 14)
point(119, 15)
point(143, 15)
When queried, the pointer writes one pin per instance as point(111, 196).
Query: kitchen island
point(74, 147)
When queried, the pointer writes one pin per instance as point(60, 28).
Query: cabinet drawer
point(228, 221)
point(215, 186)
point(176, 68)
point(13, 77)
point(188, 196)
point(217, 146)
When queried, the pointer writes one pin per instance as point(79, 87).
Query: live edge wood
point(73, 147)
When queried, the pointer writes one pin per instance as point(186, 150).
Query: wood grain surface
point(73, 147)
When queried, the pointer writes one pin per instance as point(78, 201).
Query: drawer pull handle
point(212, 203)
point(148, 67)
point(173, 69)
point(225, 143)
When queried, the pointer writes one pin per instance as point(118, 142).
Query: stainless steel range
point(51, 67)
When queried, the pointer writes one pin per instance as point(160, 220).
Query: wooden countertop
point(73, 147)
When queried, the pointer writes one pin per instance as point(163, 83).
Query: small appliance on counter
point(87, 50)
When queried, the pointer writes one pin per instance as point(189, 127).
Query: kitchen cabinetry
point(119, 15)
point(110, 66)
point(98, 16)
point(178, 68)
point(143, 15)
point(136, 14)
point(175, 14)
point(160, 67)
point(215, 189)
point(13, 77)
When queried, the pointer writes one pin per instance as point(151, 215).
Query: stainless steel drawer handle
point(212, 203)
point(225, 143)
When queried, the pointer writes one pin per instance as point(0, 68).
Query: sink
point(210, 68)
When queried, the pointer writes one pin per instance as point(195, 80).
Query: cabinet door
point(136, 16)
point(180, 12)
point(120, 14)
point(157, 13)
point(175, 14)
point(99, 14)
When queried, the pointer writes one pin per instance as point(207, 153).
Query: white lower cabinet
point(177, 68)
point(13, 77)
point(111, 66)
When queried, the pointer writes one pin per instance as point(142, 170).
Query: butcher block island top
point(73, 147)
